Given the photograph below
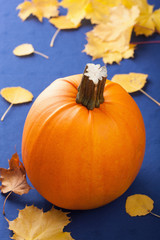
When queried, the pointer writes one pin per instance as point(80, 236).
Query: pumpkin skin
point(78, 158)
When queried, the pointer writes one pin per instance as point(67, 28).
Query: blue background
point(66, 58)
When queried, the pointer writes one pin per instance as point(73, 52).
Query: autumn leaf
point(14, 178)
point(61, 22)
point(95, 10)
point(39, 8)
point(26, 49)
point(139, 205)
point(32, 223)
point(111, 40)
point(15, 95)
point(148, 22)
point(133, 82)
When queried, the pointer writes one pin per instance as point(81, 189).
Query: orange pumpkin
point(78, 158)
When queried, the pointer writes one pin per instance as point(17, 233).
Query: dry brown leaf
point(15, 95)
point(139, 205)
point(26, 49)
point(14, 178)
point(33, 223)
point(39, 8)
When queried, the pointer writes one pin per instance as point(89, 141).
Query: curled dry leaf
point(33, 223)
point(14, 178)
point(25, 50)
point(139, 205)
point(15, 95)
point(133, 82)
point(39, 8)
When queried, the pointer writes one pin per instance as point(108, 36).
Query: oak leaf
point(15, 95)
point(26, 49)
point(139, 205)
point(34, 224)
point(39, 8)
point(14, 178)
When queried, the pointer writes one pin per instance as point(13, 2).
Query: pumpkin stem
point(91, 88)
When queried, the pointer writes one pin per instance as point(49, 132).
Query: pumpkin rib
point(43, 125)
point(65, 80)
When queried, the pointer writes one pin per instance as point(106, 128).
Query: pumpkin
point(83, 141)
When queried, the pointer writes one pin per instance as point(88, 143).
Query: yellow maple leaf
point(33, 223)
point(121, 20)
point(95, 10)
point(131, 82)
point(15, 95)
point(139, 205)
point(115, 56)
point(39, 8)
point(148, 22)
point(111, 40)
point(141, 4)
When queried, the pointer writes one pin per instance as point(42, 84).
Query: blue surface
point(36, 73)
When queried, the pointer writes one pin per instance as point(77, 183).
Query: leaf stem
point(146, 42)
point(158, 103)
point(5, 201)
point(41, 54)
point(2, 118)
point(54, 37)
point(154, 214)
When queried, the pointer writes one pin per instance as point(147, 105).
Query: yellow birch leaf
point(131, 82)
point(26, 49)
point(15, 95)
point(23, 50)
point(38, 8)
point(33, 223)
point(63, 22)
point(139, 205)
